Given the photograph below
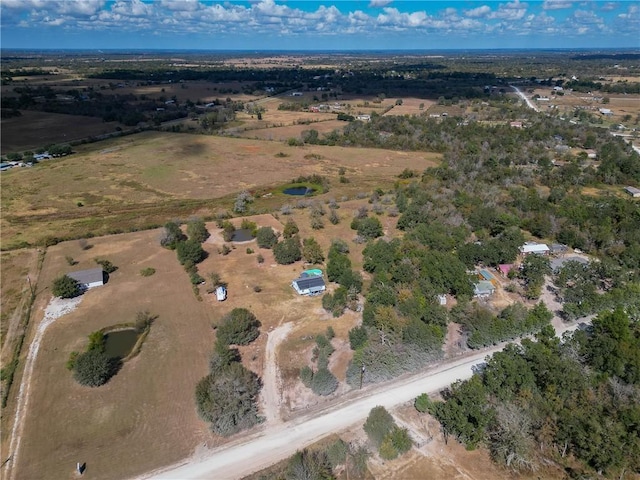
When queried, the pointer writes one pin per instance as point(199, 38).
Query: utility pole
point(30, 287)
point(361, 376)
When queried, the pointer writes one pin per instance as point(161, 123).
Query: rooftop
point(91, 275)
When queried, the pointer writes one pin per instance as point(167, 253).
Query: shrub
point(239, 327)
point(65, 287)
point(337, 453)
point(311, 251)
point(249, 251)
point(260, 258)
point(422, 403)
point(333, 217)
point(306, 375)
point(84, 244)
point(316, 222)
point(147, 272)
point(71, 363)
point(290, 229)
point(228, 229)
point(330, 334)
point(94, 368)
point(324, 382)
point(106, 265)
point(370, 228)
point(357, 337)
point(70, 260)
point(143, 320)
point(257, 288)
point(96, 341)
point(225, 250)
point(266, 237)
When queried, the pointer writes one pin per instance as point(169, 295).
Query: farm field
point(33, 129)
point(293, 131)
point(135, 181)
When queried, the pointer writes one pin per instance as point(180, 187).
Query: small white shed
point(221, 293)
point(94, 277)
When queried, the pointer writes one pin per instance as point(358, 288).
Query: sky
point(318, 25)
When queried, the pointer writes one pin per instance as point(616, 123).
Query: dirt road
point(271, 391)
point(273, 444)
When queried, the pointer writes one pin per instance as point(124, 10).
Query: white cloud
point(511, 11)
point(181, 5)
point(379, 3)
point(610, 6)
point(478, 12)
point(556, 4)
point(132, 8)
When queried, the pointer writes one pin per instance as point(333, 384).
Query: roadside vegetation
point(573, 402)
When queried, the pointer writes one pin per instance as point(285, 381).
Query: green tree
point(324, 382)
point(378, 425)
point(190, 252)
point(369, 227)
point(172, 235)
point(94, 368)
point(238, 327)
point(290, 229)
point(311, 251)
point(197, 230)
point(227, 399)
point(106, 265)
point(287, 251)
point(357, 337)
point(266, 237)
point(308, 465)
point(65, 287)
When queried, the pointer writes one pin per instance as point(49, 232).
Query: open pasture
point(293, 131)
point(411, 106)
point(152, 177)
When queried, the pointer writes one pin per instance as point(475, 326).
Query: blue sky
point(318, 25)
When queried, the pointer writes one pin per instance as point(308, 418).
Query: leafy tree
point(190, 252)
point(287, 251)
point(308, 465)
point(311, 251)
point(338, 263)
point(422, 403)
point(378, 425)
point(94, 368)
point(266, 237)
point(324, 382)
point(226, 399)
point(238, 327)
point(534, 268)
point(370, 227)
point(65, 287)
point(290, 229)
point(306, 376)
point(197, 230)
point(357, 337)
point(172, 236)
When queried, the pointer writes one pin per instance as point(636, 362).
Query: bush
point(257, 288)
point(311, 251)
point(357, 337)
point(422, 403)
point(225, 250)
point(71, 363)
point(260, 258)
point(370, 227)
point(143, 321)
point(70, 260)
point(94, 368)
point(333, 217)
point(249, 251)
point(324, 382)
point(239, 327)
point(228, 229)
point(266, 237)
point(306, 375)
point(106, 265)
point(290, 229)
point(337, 453)
point(147, 272)
point(65, 287)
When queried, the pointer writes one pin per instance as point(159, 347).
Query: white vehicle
point(221, 293)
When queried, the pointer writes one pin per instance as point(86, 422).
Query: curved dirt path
point(271, 395)
point(57, 308)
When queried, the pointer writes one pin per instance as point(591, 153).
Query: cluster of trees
point(385, 435)
point(188, 249)
point(482, 328)
point(321, 381)
point(339, 270)
point(576, 398)
point(227, 396)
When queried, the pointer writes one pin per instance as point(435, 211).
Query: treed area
point(574, 401)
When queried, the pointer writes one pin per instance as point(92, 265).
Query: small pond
point(120, 343)
point(242, 235)
point(299, 191)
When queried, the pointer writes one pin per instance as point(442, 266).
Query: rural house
point(309, 285)
point(94, 277)
point(483, 289)
point(633, 191)
point(533, 247)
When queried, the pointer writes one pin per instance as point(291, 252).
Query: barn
point(94, 277)
point(309, 284)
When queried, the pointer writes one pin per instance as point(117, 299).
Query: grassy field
point(146, 179)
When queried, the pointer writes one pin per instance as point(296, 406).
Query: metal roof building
point(309, 285)
point(94, 277)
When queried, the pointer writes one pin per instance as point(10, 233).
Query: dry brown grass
point(152, 177)
point(145, 416)
point(284, 133)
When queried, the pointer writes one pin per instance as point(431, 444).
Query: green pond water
point(119, 344)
